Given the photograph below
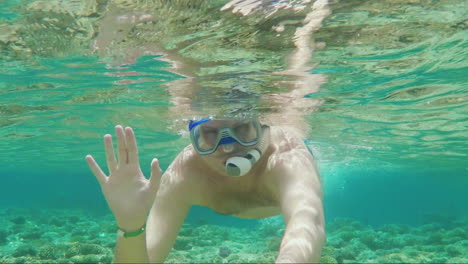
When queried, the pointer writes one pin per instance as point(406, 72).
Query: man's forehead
point(219, 122)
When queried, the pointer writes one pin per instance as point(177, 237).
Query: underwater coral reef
point(73, 236)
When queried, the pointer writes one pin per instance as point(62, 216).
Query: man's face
point(223, 135)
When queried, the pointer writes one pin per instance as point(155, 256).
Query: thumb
point(156, 173)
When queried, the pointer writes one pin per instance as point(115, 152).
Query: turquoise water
point(389, 132)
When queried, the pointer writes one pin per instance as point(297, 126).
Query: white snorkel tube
point(239, 166)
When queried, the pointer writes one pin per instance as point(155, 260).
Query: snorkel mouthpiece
point(239, 166)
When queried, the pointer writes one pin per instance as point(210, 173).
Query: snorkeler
point(244, 167)
point(235, 167)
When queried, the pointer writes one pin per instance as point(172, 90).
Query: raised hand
point(127, 192)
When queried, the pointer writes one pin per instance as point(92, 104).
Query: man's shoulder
point(178, 179)
point(286, 139)
point(289, 149)
point(182, 166)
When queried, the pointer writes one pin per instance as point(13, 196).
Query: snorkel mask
point(207, 138)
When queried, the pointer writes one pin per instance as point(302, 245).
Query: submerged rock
point(182, 243)
point(224, 252)
point(328, 259)
point(24, 250)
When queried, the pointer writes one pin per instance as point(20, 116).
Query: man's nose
point(228, 147)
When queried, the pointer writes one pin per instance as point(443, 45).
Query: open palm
point(127, 192)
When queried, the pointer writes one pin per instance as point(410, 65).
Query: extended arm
point(164, 221)
point(301, 205)
point(168, 213)
point(131, 250)
point(128, 193)
point(131, 196)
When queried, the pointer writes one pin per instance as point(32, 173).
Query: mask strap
point(193, 123)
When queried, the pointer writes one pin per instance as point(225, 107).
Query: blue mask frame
point(225, 136)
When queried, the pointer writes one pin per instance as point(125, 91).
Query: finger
point(100, 176)
point(132, 148)
point(156, 173)
point(110, 154)
point(121, 145)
